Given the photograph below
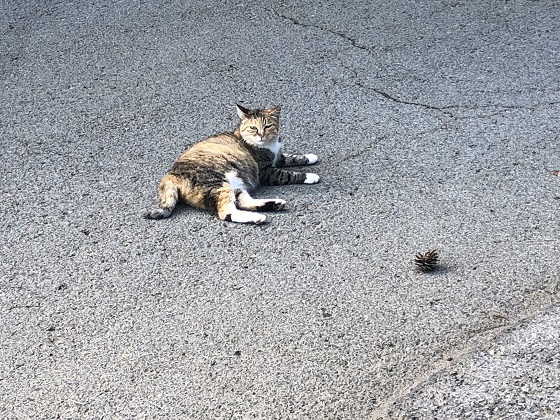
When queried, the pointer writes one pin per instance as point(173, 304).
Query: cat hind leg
point(227, 210)
point(246, 202)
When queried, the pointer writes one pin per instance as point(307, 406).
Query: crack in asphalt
point(362, 151)
point(30, 306)
point(483, 338)
point(379, 139)
point(342, 35)
point(359, 83)
point(446, 109)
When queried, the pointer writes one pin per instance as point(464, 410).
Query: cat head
point(259, 127)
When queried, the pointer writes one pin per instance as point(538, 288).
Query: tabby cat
point(218, 173)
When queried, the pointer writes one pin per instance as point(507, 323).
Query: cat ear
point(243, 112)
point(274, 111)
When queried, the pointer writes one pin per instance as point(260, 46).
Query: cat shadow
point(184, 210)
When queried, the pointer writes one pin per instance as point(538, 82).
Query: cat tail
point(169, 195)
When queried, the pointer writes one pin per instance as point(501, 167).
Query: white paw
point(311, 158)
point(311, 178)
point(247, 217)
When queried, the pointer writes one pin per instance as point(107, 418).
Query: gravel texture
point(437, 128)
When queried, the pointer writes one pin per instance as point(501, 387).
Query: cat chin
point(267, 144)
point(264, 144)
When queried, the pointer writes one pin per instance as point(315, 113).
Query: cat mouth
point(263, 142)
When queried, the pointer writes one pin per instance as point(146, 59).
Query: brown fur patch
point(168, 190)
point(225, 198)
point(245, 157)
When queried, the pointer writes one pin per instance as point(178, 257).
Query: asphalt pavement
point(436, 124)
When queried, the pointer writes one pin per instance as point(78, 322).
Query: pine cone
point(427, 261)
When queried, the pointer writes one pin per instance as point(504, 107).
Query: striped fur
point(218, 173)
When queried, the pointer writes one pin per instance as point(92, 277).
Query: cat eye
point(266, 127)
point(253, 128)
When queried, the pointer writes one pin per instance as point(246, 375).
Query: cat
point(219, 172)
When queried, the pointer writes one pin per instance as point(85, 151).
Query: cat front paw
point(311, 178)
point(311, 158)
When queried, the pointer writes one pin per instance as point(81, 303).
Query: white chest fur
point(275, 147)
